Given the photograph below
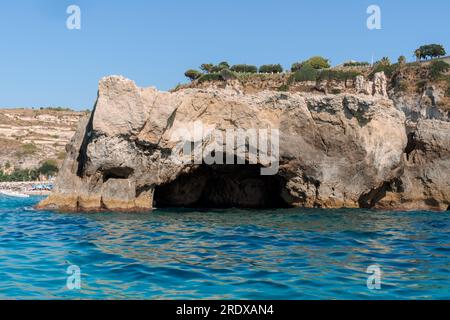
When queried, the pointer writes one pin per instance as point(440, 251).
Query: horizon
point(45, 64)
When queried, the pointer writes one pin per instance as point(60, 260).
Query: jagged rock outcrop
point(329, 151)
point(376, 87)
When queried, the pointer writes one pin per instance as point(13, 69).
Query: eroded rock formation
point(376, 87)
point(342, 150)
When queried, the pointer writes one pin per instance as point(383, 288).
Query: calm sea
point(222, 254)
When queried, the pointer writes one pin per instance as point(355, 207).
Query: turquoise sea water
point(224, 254)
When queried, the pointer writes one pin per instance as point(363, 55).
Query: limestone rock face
point(131, 106)
point(363, 86)
point(425, 180)
point(422, 106)
point(377, 87)
point(380, 84)
point(310, 150)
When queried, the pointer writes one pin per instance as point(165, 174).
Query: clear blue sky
point(42, 63)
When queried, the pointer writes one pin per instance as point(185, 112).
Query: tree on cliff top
point(430, 51)
point(306, 73)
point(207, 67)
point(211, 68)
point(193, 74)
point(385, 61)
point(318, 62)
point(244, 68)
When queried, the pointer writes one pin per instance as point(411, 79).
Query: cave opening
point(223, 186)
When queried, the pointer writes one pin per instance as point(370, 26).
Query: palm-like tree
point(385, 61)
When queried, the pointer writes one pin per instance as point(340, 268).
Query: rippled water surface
point(232, 254)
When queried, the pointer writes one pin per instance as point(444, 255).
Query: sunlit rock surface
point(342, 150)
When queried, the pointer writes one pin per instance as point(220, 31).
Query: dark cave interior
point(222, 186)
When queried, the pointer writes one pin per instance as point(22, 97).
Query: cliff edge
point(223, 147)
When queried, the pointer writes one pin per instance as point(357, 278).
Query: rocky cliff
point(311, 150)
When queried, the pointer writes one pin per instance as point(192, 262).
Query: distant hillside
point(29, 137)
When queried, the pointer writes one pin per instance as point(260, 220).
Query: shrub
point(224, 65)
point(211, 68)
point(48, 167)
point(356, 64)
point(383, 66)
point(271, 68)
point(265, 69)
point(339, 75)
point(447, 91)
point(20, 175)
point(402, 86)
point(221, 66)
point(296, 66)
point(420, 86)
point(55, 109)
point(283, 87)
point(227, 74)
point(318, 62)
point(350, 75)
point(193, 74)
point(207, 67)
point(306, 73)
point(29, 149)
point(210, 77)
point(244, 68)
point(437, 68)
point(336, 91)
